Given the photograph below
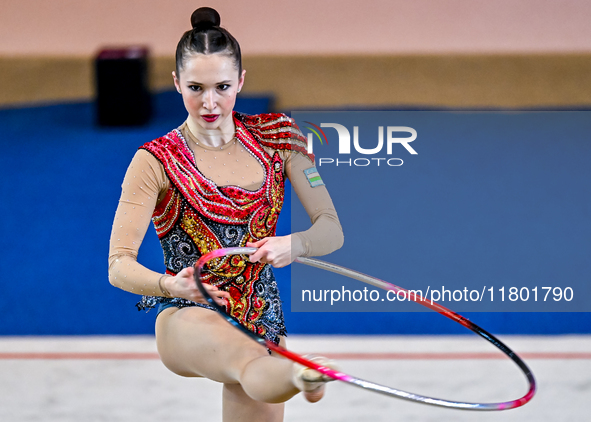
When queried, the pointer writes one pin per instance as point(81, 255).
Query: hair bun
point(205, 17)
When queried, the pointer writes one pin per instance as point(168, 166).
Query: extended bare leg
point(198, 342)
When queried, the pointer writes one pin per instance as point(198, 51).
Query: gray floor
point(126, 387)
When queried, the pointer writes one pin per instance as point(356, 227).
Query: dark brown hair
point(207, 37)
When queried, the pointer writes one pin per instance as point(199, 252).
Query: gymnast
point(217, 181)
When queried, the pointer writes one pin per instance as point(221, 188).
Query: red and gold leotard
point(194, 215)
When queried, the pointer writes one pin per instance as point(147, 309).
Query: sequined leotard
point(193, 215)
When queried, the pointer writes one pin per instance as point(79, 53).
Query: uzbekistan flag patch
point(313, 177)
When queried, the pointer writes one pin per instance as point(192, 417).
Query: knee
point(267, 383)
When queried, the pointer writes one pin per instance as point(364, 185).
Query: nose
point(209, 100)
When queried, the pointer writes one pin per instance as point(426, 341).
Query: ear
point(177, 84)
point(241, 80)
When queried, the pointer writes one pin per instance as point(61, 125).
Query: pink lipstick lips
point(210, 117)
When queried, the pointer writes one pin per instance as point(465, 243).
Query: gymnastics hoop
point(368, 385)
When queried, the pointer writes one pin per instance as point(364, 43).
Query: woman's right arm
point(144, 185)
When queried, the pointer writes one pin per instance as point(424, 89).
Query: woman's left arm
point(326, 233)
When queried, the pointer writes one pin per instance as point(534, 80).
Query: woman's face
point(209, 84)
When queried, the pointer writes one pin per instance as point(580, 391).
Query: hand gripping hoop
point(368, 385)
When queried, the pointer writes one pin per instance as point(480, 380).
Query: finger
point(258, 243)
point(258, 255)
point(186, 272)
point(219, 296)
point(213, 289)
point(279, 264)
point(255, 257)
point(224, 295)
point(215, 292)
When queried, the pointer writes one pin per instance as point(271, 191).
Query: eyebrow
point(217, 83)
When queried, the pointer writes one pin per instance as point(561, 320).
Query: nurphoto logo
point(391, 134)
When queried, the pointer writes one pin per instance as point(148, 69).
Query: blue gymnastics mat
point(61, 177)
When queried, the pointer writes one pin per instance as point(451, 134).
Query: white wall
point(80, 27)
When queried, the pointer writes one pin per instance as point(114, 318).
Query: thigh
point(195, 341)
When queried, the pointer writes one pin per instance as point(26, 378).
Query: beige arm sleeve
point(144, 185)
point(326, 233)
